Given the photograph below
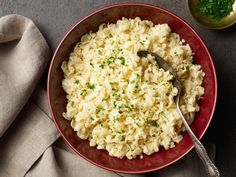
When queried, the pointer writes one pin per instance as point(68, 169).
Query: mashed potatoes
point(124, 103)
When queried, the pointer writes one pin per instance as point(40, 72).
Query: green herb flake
point(99, 52)
point(120, 131)
point(110, 60)
point(114, 104)
point(129, 108)
point(120, 112)
point(91, 86)
point(100, 108)
point(114, 89)
point(122, 59)
point(110, 35)
point(83, 92)
point(101, 66)
point(122, 138)
point(77, 81)
point(152, 122)
point(155, 123)
point(117, 119)
point(142, 43)
point(91, 64)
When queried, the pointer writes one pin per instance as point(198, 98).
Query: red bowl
point(57, 97)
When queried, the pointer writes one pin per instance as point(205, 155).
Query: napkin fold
point(30, 145)
point(23, 57)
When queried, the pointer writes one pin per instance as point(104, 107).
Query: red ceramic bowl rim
point(144, 5)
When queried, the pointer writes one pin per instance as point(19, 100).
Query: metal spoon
point(211, 169)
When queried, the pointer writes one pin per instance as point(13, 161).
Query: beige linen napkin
point(29, 142)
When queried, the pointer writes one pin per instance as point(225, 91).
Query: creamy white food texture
point(123, 103)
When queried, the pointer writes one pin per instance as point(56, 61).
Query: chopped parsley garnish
point(110, 60)
point(117, 119)
point(100, 108)
point(101, 66)
point(91, 64)
point(142, 43)
point(122, 59)
point(129, 108)
point(99, 52)
point(77, 81)
point(119, 109)
point(216, 9)
point(114, 89)
point(120, 131)
point(120, 112)
point(114, 94)
point(91, 86)
point(152, 122)
point(83, 92)
point(110, 35)
point(122, 138)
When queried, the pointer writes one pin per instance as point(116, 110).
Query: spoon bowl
point(208, 22)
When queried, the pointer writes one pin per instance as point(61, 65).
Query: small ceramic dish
point(207, 21)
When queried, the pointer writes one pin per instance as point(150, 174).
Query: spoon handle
point(211, 169)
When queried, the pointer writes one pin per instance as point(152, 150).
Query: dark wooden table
point(55, 17)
